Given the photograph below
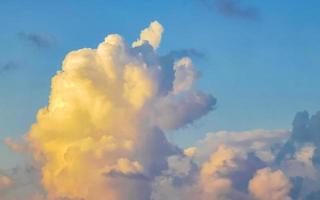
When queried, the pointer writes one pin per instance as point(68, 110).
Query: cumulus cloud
point(20, 183)
point(185, 75)
point(237, 165)
point(5, 182)
point(270, 185)
point(178, 181)
point(305, 154)
point(305, 131)
point(102, 136)
point(214, 179)
point(299, 156)
point(191, 151)
point(224, 175)
point(167, 61)
point(152, 35)
point(301, 165)
point(292, 152)
point(263, 143)
point(102, 133)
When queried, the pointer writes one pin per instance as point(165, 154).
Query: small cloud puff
point(270, 185)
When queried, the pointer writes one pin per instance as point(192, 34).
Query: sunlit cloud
point(103, 128)
point(103, 136)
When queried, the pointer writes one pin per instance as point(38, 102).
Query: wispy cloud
point(232, 8)
point(113, 105)
point(134, 176)
point(9, 66)
point(38, 39)
point(191, 52)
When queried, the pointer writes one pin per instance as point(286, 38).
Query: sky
point(258, 59)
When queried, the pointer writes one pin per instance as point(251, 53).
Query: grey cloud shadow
point(8, 66)
point(134, 176)
point(232, 9)
point(38, 39)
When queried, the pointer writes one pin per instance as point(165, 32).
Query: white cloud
point(270, 185)
point(101, 135)
point(152, 35)
point(185, 75)
point(5, 182)
point(261, 142)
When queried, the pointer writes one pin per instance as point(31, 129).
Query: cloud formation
point(38, 39)
point(232, 8)
point(21, 183)
point(151, 35)
point(19, 148)
point(7, 67)
point(102, 136)
point(270, 185)
point(241, 165)
point(5, 182)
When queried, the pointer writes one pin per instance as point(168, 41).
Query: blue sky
point(262, 70)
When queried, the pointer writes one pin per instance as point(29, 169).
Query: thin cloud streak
point(7, 67)
point(232, 9)
point(37, 39)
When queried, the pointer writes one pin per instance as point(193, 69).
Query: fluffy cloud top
point(258, 141)
point(270, 185)
point(102, 136)
point(5, 182)
point(152, 35)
